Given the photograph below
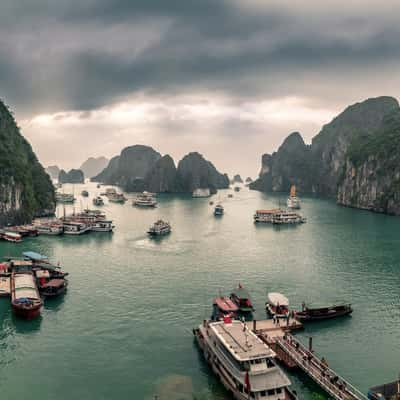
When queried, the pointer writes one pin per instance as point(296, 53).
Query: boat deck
point(5, 288)
point(267, 328)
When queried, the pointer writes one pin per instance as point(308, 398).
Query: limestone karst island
point(199, 200)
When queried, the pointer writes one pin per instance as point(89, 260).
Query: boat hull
point(25, 313)
point(304, 317)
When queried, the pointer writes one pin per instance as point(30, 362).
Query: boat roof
point(241, 342)
point(226, 304)
point(54, 283)
point(34, 256)
point(275, 298)
point(272, 211)
point(241, 292)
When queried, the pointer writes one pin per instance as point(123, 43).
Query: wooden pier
point(317, 369)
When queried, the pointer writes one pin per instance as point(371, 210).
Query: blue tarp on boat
point(34, 256)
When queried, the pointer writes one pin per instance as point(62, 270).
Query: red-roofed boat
point(223, 306)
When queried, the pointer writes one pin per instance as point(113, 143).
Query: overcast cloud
point(227, 78)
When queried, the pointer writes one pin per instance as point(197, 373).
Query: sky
point(228, 78)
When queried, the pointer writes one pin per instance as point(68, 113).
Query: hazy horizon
point(229, 79)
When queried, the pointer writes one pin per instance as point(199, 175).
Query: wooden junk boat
point(224, 307)
point(241, 297)
point(319, 314)
point(25, 299)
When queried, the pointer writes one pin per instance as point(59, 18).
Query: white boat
point(65, 198)
point(244, 364)
point(50, 229)
point(102, 226)
point(116, 198)
point(287, 217)
point(198, 193)
point(11, 236)
point(277, 305)
point(159, 228)
point(293, 201)
point(75, 228)
point(266, 216)
point(145, 199)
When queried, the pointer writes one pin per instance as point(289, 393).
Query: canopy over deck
point(34, 256)
point(276, 299)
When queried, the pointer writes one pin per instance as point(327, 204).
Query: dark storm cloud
point(81, 55)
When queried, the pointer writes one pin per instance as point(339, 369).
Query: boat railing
point(340, 389)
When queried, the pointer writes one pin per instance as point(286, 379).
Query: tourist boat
point(102, 226)
point(41, 263)
point(266, 216)
point(75, 228)
point(96, 214)
point(277, 305)
point(85, 193)
point(319, 314)
point(223, 306)
point(98, 201)
point(387, 391)
point(24, 230)
point(65, 198)
point(50, 228)
point(110, 191)
point(25, 298)
point(11, 236)
point(241, 297)
point(144, 199)
point(116, 198)
point(293, 201)
point(287, 218)
point(52, 287)
point(218, 210)
point(201, 192)
point(159, 228)
point(244, 364)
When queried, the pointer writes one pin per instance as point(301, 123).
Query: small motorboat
point(319, 314)
point(241, 297)
point(98, 201)
point(53, 287)
point(223, 306)
point(277, 305)
point(218, 210)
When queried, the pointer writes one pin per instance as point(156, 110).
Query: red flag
point(247, 381)
point(227, 319)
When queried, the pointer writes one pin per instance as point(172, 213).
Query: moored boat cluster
point(29, 280)
point(74, 224)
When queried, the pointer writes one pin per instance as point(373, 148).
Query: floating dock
point(5, 287)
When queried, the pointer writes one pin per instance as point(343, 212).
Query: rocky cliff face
point(72, 176)
point(53, 171)
point(344, 160)
point(26, 190)
point(93, 166)
point(195, 172)
point(371, 175)
point(291, 164)
point(163, 177)
point(237, 179)
point(140, 168)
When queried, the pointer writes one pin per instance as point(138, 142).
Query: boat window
point(279, 390)
point(270, 363)
point(271, 392)
point(263, 393)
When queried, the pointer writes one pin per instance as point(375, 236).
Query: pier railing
point(318, 370)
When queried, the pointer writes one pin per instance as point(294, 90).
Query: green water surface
point(123, 330)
